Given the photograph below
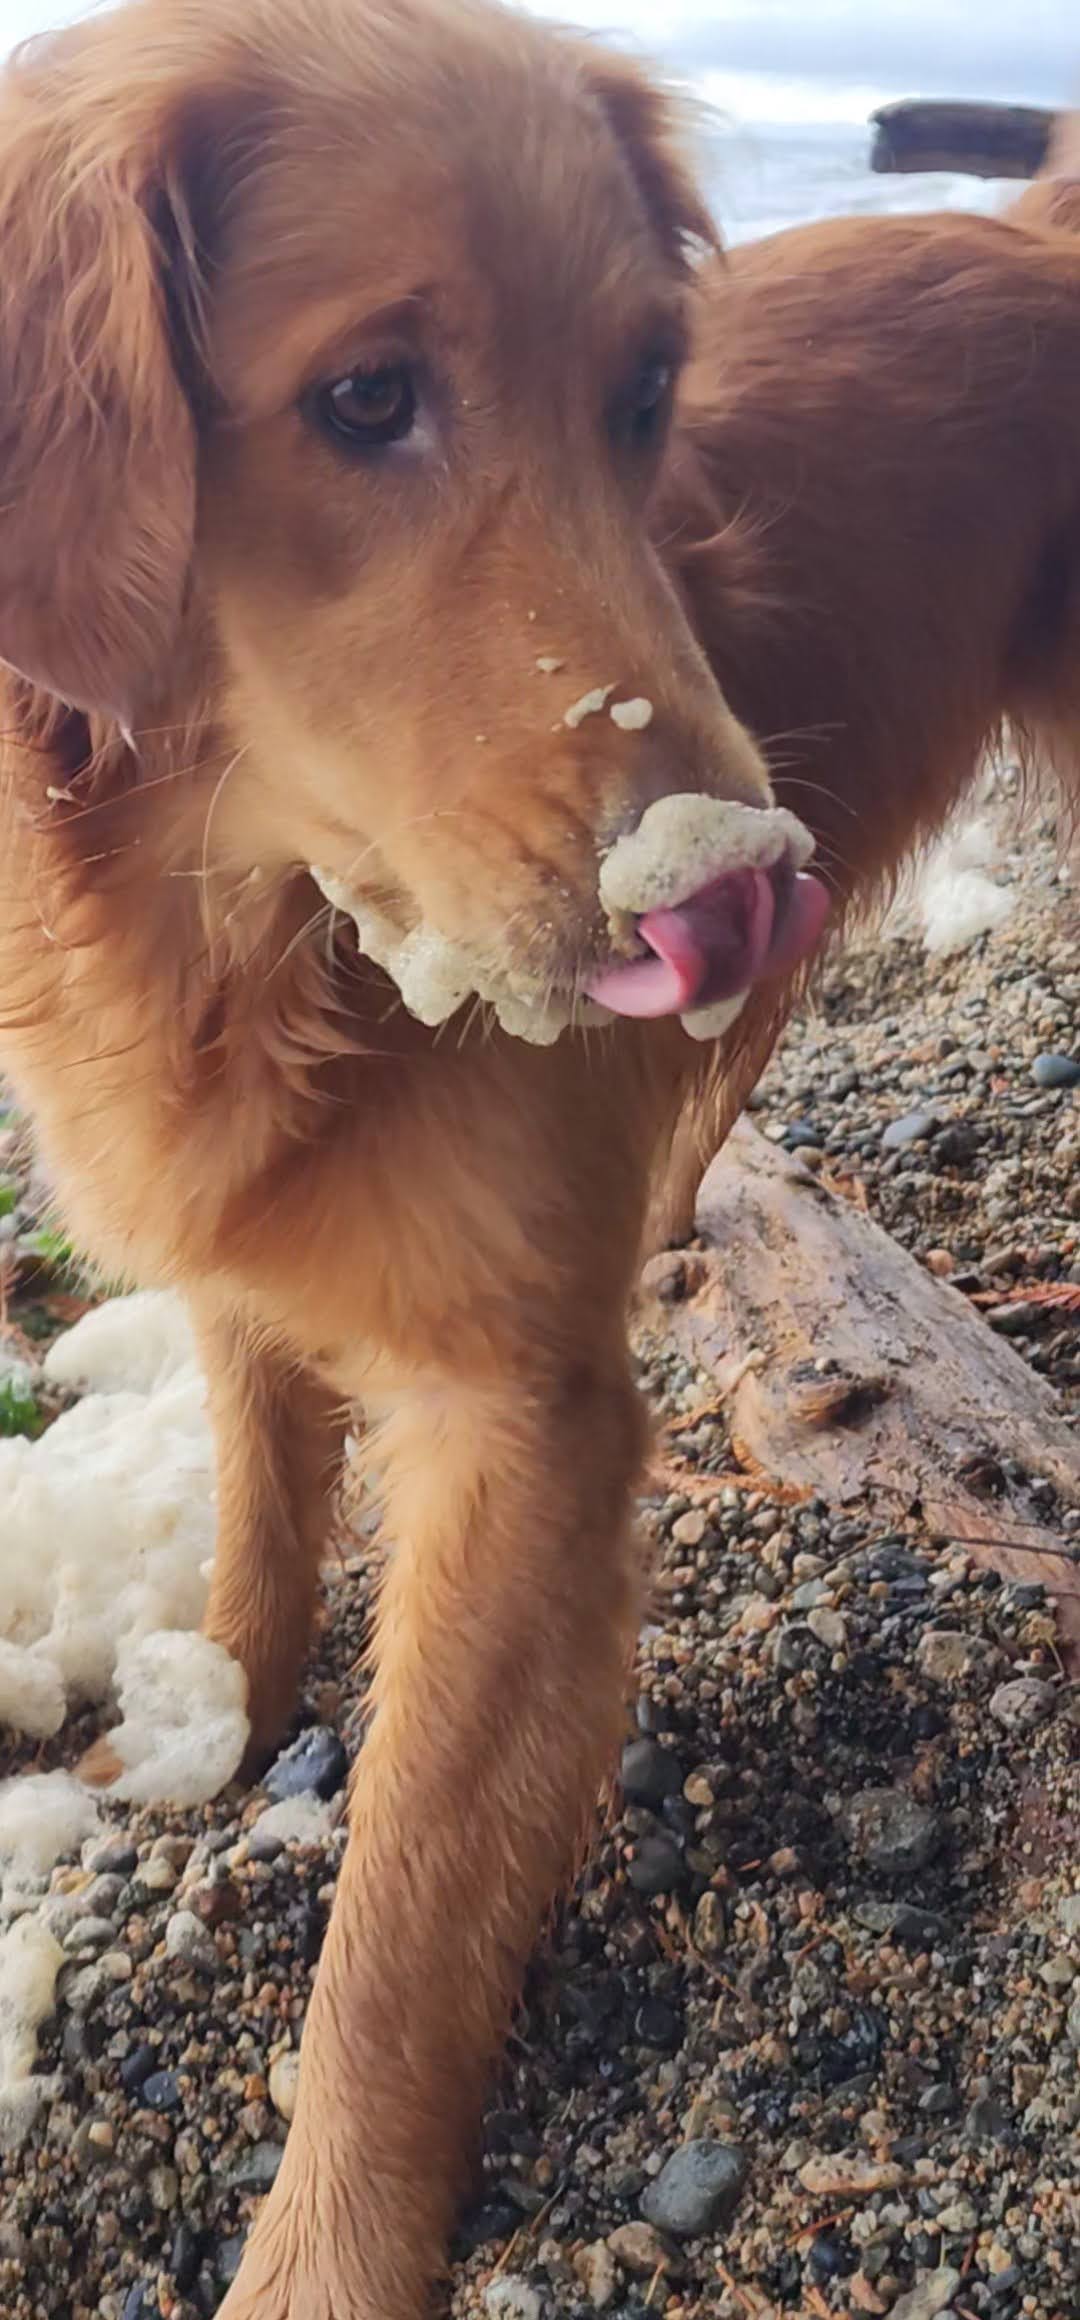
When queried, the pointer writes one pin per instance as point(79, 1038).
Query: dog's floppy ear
point(1052, 201)
point(653, 124)
point(97, 451)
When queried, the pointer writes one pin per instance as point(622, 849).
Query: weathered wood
point(851, 1372)
point(975, 139)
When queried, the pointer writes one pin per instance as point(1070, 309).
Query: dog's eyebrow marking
point(548, 665)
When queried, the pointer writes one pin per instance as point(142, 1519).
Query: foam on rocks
point(184, 1720)
point(954, 894)
point(107, 1527)
point(44, 1817)
point(30, 1960)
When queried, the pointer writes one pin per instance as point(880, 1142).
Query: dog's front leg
point(507, 1617)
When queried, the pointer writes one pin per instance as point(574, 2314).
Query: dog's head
point(338, 351)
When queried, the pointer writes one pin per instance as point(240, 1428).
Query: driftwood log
point(852, 1373)
point(976, 140)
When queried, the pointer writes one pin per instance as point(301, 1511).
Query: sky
point(809, 59)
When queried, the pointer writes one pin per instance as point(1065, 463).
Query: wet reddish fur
point(866, 528)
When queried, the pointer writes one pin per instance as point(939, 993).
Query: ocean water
point(764, 176)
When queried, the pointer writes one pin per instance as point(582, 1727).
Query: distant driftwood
point(976, 140)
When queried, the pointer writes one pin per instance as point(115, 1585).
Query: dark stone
point(957, 1144)
point(141, 2303)
point(657, 1866)
point(696, 2189)
point(160, 2091)
point(227, 2258)
point(830, 2258)
point(313, 1922)
point(679, 1816)
point(113, 1860)
point(657, 2024)
point(650, 1774)
point(1013, 1320)
point(843, 2059)
point(938, 2100)
point(494, 2220)
point(1056, 1071)
point(185, 2257)
point(988, 2121)
point(797, 1647)
point(918, 1929)
point(892, 1560)
point(315, 1764)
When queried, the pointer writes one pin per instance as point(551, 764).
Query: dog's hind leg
point(279, 1440)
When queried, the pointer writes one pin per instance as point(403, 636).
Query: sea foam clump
point(107, 1530)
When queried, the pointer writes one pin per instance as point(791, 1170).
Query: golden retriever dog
point(397, 483)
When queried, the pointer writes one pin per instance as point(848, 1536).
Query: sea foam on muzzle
point(680, 844)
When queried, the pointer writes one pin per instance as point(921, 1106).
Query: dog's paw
point(266, 2290)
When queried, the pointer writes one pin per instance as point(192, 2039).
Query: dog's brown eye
point(368, 408)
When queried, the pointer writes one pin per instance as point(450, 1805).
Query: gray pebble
point(987, 2121)
point(830, 1628)
point(89, 1933)
point(892, 1831)
point(226, 2259)
point(89, 1987)
point(315, 1764)
point(101, 1897)
point(161, 2091)
point(512, 2298)
point(947, 1657)
point(1024, 1702)
point(809, 1594)
point(1056, 1071)
point(187, 1940)
point(696, 2189)
point(1013, 1320)
point(929, 2299)
point(256, 2169)
point(910, 1129)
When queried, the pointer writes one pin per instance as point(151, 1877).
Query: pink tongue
point(715, 945)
